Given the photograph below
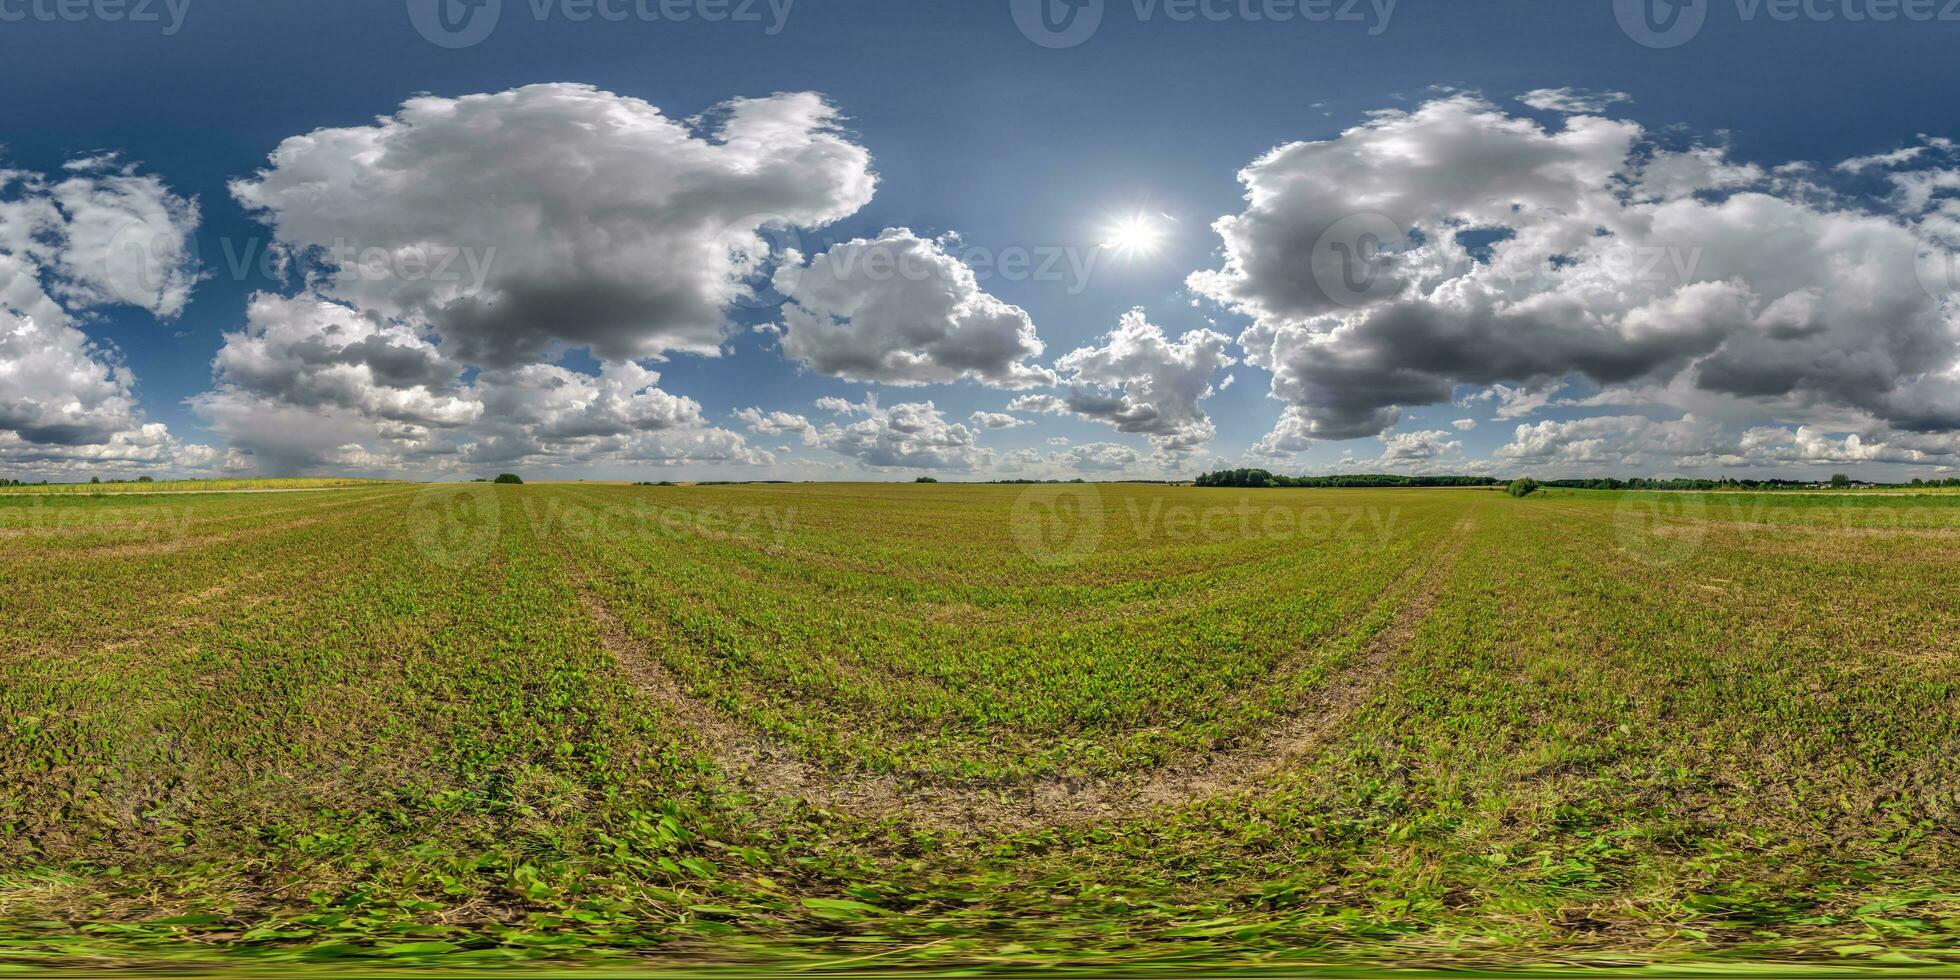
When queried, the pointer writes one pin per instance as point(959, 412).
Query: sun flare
point(1134, 236)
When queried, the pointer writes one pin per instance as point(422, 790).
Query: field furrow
point(960, 723)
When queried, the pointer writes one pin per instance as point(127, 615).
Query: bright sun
point(1134, 236)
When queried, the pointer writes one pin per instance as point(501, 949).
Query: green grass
point(859, 728)
point(182, 486)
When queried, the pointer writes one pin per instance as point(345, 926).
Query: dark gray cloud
point(519, 222)
point(1598, 256)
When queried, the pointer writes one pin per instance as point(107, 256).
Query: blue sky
point(972, 128)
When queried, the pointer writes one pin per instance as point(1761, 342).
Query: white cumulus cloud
point(1140, 381)
point(102, 234)
point(1572, 100)
point(558, 214)
point(1453, 245)
point(900, 310)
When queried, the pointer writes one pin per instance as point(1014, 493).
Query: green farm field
point(860, 727)
point(183, 486)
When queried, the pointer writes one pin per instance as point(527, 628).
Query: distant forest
point(1262, 478)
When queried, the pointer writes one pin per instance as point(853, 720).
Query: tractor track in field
point(760, 764)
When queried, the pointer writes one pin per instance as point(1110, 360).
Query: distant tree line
point(93, 480)
point(1263, 478)
point(1675, 483)
point(1725, 483)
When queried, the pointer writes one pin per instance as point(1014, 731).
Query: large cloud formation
point(1456, 245)
point(900, 310)
point(459, 258)
point(1577, 445)
point(100, 235)
point(311, 352)
point(1142, 382)
point(558, 214)
point(910, 435)
point(453, 253)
